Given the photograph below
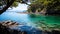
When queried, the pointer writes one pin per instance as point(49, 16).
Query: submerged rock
point(55, 32)
point(6, 28)
point(10, 23)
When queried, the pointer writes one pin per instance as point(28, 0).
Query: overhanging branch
point(7, 6)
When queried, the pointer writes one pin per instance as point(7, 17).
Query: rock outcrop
point(4, 28)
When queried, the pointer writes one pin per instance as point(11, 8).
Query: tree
point(8, 3)
point(51, 6)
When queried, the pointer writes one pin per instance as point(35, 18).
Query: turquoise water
point(30, 19)
point(33, 22)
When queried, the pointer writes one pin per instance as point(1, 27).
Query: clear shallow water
point(31, 21)
point(21, 18)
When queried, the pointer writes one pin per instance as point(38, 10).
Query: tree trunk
point(7, 6)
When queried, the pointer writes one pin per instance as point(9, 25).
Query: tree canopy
point(7, 3)
point(50, 5)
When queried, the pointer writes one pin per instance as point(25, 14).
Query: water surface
point(30, 20)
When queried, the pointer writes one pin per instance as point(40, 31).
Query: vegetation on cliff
point(50, 6)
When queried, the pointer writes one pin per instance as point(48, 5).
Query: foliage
point(51, 5)
point(7, 3)
point(15, 4)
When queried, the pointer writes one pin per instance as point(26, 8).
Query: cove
point(34, 21)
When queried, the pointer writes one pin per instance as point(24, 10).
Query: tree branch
point(7, 6)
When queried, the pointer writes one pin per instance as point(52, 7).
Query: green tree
point(8, 3)
point(51, 6)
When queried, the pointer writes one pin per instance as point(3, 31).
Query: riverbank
point(41, 13)
point(5, 28)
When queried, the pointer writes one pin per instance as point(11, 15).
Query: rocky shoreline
point(5, 28)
